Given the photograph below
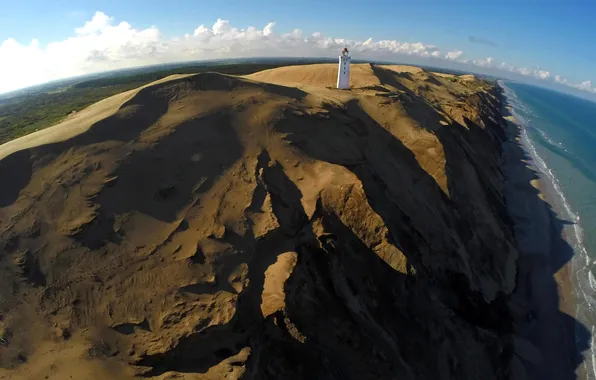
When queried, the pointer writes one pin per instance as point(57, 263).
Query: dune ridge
point(267, 226)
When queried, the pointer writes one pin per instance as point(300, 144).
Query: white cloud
point(542, 74)
point(531, 72)
point(523, 70)
point(537, 73)
point(295, 34)
point(221, 26)
point(454, 55)
point(201, 31)
point(488, 62)
point(102, 44)
point(559, 79)
point(546, 75)
point(586, 86)
point(507, 67)
point(268, 29)
point(99, 22)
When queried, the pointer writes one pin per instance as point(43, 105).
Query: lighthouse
point(343, 75)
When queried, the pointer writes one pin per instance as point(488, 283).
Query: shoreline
point(547, 192)
point(544, 341)
point(580, 342)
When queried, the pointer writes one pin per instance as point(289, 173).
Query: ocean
point(559, 133)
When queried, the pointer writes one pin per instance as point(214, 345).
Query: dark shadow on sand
point(199, 351)
point(336, 270)
point(158, 180)
point(15, 174)
point(561, 338)
point(386, 332)
point(341, 294)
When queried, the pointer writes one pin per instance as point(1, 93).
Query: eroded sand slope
point(265, 227)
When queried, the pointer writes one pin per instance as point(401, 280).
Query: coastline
point(564, 275)
point(544, 342)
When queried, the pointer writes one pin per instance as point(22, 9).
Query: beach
point(544, 346)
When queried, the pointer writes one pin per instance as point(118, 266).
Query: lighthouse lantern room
point(343, 75)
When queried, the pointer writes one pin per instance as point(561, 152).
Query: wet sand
point(544, 343)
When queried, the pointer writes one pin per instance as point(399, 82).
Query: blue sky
point(557, 36)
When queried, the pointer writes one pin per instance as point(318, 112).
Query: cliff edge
point(262, 227)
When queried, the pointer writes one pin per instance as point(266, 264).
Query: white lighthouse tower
point(343, 75)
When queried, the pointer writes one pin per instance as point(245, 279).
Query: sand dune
point(267, 226)
point(318, 75)
point(77, 124)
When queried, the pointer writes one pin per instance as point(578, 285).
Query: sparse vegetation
point(25, 114)
point(43, 110)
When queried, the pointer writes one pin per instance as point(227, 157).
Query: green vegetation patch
point(25, 114)
point(40, 111)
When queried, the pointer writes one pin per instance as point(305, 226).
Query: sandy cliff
point(263, 227)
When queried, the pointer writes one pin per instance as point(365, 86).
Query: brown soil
point(266, 227)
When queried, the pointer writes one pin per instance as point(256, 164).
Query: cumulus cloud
point(268, 30)
point(103, 44)
point(99, 45)
point(201, 30)
point(454, 55)
point(221, 26)
point(559, 79)
point(488, 62)
point(585, 86)
point(542, 74)
point(99, 21)
point(533, 72)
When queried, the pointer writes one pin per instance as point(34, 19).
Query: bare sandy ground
point(77, 124)
point(262, 227)
point(545, 346)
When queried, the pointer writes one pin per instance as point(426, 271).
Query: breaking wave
point(585, 281)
